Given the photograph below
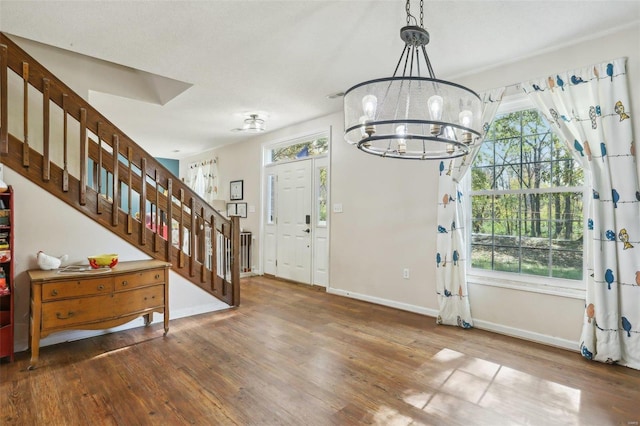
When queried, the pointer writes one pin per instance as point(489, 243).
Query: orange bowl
point(103, 260)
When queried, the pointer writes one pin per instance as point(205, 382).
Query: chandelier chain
point(410, 16)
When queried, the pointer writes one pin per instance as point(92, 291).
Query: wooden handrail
point(120, 168)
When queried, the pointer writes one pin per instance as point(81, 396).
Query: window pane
point(322, 196)
point(567, 264)
point(485, 155)
point(506, 259)
point(481, 256)
point(300, 149)
point(535, 261)
point(482, 207)
point(271, 199)
point(507, 151)
point(482, 178)
point(506, 207)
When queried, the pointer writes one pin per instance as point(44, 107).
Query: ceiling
point(211, 62)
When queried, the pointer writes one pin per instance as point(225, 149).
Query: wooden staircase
point(101, 172)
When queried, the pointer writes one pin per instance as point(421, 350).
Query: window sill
point(531, 284)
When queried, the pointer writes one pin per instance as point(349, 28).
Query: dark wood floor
point(294, 355)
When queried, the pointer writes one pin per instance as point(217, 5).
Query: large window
point(526, 201)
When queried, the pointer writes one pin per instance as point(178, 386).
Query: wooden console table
point(93, 300)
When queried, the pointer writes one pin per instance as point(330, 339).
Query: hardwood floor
point(294, 355)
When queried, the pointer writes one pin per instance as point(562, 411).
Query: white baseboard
point(527, 335)
point(479, 324)
point(385, 302)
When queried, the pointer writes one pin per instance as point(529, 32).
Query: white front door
point(294, 221)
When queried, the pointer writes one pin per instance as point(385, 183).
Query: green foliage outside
point(522, 221)
point(300, 150)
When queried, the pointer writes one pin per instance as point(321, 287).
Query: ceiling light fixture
point(252, 124)
point(411, 116)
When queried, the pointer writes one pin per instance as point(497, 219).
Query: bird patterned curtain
point(590, 107)
point(451, 282)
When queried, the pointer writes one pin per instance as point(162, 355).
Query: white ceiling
point(285, 57)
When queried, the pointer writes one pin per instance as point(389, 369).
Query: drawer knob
point(157, 276)
point(125, 283)
point(100, 287)
point(54, 292)
point(59, 315)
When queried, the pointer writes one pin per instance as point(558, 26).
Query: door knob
point(307, 230)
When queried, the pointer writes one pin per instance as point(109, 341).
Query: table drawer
point(75, 288)
point(63, 313)
point(140, 299)
point(68, 312)
point(138, 279)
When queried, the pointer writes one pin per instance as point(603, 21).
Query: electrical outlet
point(405, 273)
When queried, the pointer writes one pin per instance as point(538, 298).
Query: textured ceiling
point(282, 57)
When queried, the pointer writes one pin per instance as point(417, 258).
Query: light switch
point(337, 208)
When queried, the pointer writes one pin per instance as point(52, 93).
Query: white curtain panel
point(590, 108)
point(203, 179)
point(451, 282)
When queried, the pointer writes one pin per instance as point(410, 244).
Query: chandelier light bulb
point(401, 130)
point(435, 104)
point(466, 118)
point(369, 106)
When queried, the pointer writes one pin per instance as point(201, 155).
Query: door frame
point(265, 166)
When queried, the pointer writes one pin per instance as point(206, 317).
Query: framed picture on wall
point(237, 209)
point(236, 190)
point(241, 209)
point(231, 209)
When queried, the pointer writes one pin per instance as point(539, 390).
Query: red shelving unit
point(6, 268)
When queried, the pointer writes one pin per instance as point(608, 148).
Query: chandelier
point(411, 116)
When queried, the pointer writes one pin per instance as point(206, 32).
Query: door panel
point(320, 234)
point(293, 232)
point(270, 223)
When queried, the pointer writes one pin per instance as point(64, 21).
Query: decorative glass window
point(300, 148)
point(321, 181)
point(271, 199)
point(526, 201)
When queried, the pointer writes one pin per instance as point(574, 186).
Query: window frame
point(516, 280)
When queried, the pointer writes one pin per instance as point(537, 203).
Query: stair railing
point(71, 150)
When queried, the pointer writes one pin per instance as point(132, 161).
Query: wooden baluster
point(65, 170)
point(181, 231)
point(214, 253)
point(202, 240)
point(130, 190)
point(98, 174)
point(4, 102)
point(83, 156)
point(235, 258)
point(25, 146)
point(143, 201)
point(192, 237)
point(225, 256)
point(158, 228)
point(115, 204)
point(46, 103)
point(169, 218)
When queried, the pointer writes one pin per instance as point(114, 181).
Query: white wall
point(389, 218)
point(42, 222)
